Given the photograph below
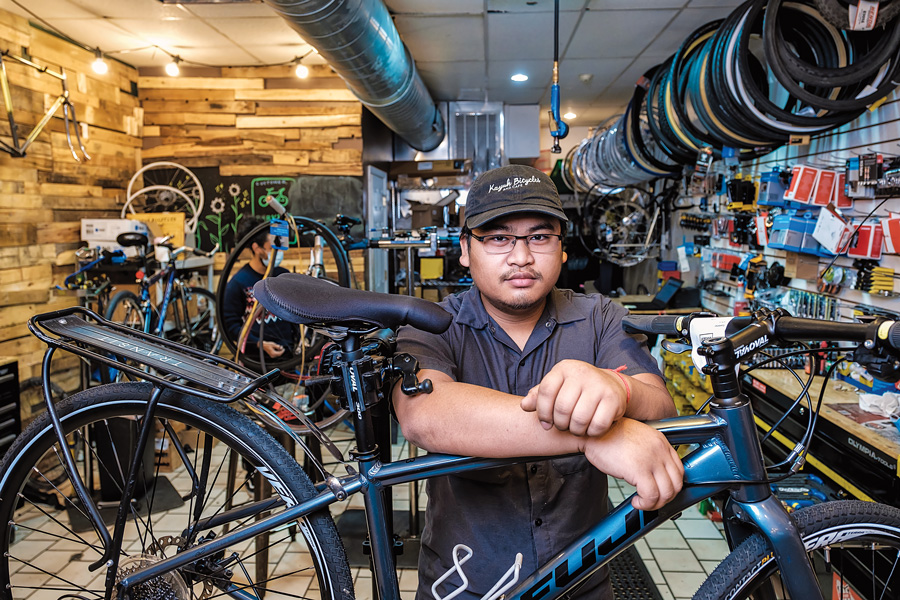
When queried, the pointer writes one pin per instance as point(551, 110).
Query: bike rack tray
point(98, 339)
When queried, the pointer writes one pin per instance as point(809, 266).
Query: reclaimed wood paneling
point(254, 121)
point(44, 195)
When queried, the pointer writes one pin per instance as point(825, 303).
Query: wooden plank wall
point(44, 195)
point(254, 121)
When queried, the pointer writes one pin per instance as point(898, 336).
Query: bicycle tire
point(838, 14)
point(125, 308)
point(202, 329)
point(303, 224)
point(221, 436)
point(845, 522)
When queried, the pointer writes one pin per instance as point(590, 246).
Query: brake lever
point(675, 347)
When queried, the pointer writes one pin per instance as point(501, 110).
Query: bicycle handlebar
point(779, 323)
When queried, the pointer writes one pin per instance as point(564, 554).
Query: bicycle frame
point(19, 148)
point(712, 462)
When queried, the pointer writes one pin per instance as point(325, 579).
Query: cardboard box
point(801, 266)
point(427, 215)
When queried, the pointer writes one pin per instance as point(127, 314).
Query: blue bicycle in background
point(182, 313)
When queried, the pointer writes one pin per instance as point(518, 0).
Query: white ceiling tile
point(681, 27)
point(520, 6)
point(46, 8)
point(443, 38)
point(448, 80)
point(231, 11)
point(617, 33)
point(514, 94)
point(603, 71)
point(149, 10)
point(715, 3)
point(539, 72)
point(173, 34)
point(432, 7)
point(526, 35)
point(274, 30)
point(635, 4)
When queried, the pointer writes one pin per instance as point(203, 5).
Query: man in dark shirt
point(280, 336)
point(528, 369)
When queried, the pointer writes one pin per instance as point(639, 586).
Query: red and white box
point(803, 181)
point(890, 229)
point(824, 188)
point(867, 242)
point(841, 199)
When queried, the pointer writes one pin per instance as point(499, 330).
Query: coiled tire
point(840, 537)
point(225, 450)
point(838, 13)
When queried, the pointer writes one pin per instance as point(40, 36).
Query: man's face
point(521, 279)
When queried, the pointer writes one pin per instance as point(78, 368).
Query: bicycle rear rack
point(169, 365)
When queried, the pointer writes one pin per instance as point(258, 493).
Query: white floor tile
point(666, 538)
point(698, 529)
point(709, 549)
point(676, 560)
point(683, 585)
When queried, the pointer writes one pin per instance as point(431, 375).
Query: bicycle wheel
point(49, 547)
point(193, 311)
point(125, 308)
point(852, 543)
point(307, 229)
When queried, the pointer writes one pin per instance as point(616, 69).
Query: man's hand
point(272, 349)
point(578, 397)
point(642, 456)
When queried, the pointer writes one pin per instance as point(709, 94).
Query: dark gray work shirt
point(533, 508)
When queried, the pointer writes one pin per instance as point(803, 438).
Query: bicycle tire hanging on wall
point(166, 187)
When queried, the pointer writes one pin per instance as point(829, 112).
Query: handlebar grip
point(277, 207)
point(664, 324)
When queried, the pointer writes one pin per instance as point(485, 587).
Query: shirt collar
point(560, 308)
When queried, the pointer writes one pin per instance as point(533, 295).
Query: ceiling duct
point(361, 43)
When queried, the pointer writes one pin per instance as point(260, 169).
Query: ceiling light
point(519, 77)
point(99, 65)
point(569, 115)
point(172, 69)
point(302, 71)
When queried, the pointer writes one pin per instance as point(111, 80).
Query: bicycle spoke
point(58, 522)
point(53, 575)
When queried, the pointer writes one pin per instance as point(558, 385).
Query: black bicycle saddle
point(312, 301)
point(132, 238)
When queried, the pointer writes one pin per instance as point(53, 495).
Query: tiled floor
point(678, 555)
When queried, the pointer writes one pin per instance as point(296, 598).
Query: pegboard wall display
point(775, 165)
point(229, 198)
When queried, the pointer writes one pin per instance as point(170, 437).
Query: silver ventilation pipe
point(361, 43)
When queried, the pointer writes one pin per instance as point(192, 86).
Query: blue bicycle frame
point(709, 470)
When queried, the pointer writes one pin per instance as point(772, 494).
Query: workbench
point(854, 451)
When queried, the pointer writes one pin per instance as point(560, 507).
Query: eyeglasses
point(539, 243)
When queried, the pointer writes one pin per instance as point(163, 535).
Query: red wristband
point(624, 382)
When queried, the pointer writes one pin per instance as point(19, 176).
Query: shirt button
point(533, 469)
point(522, 363)
point(538, 522)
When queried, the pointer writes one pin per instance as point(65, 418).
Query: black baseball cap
point(511, 189)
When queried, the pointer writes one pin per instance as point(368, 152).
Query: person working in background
point(529, 369)
point(280, 337)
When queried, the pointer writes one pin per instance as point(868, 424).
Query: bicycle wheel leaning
point(125, 308)
point(49, 546)
point(852, 543)
point(193, 311)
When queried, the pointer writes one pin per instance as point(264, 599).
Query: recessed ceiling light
point(569, 115)
point(519, 77)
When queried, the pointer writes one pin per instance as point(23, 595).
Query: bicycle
point(220, 539)
point(184, 313)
